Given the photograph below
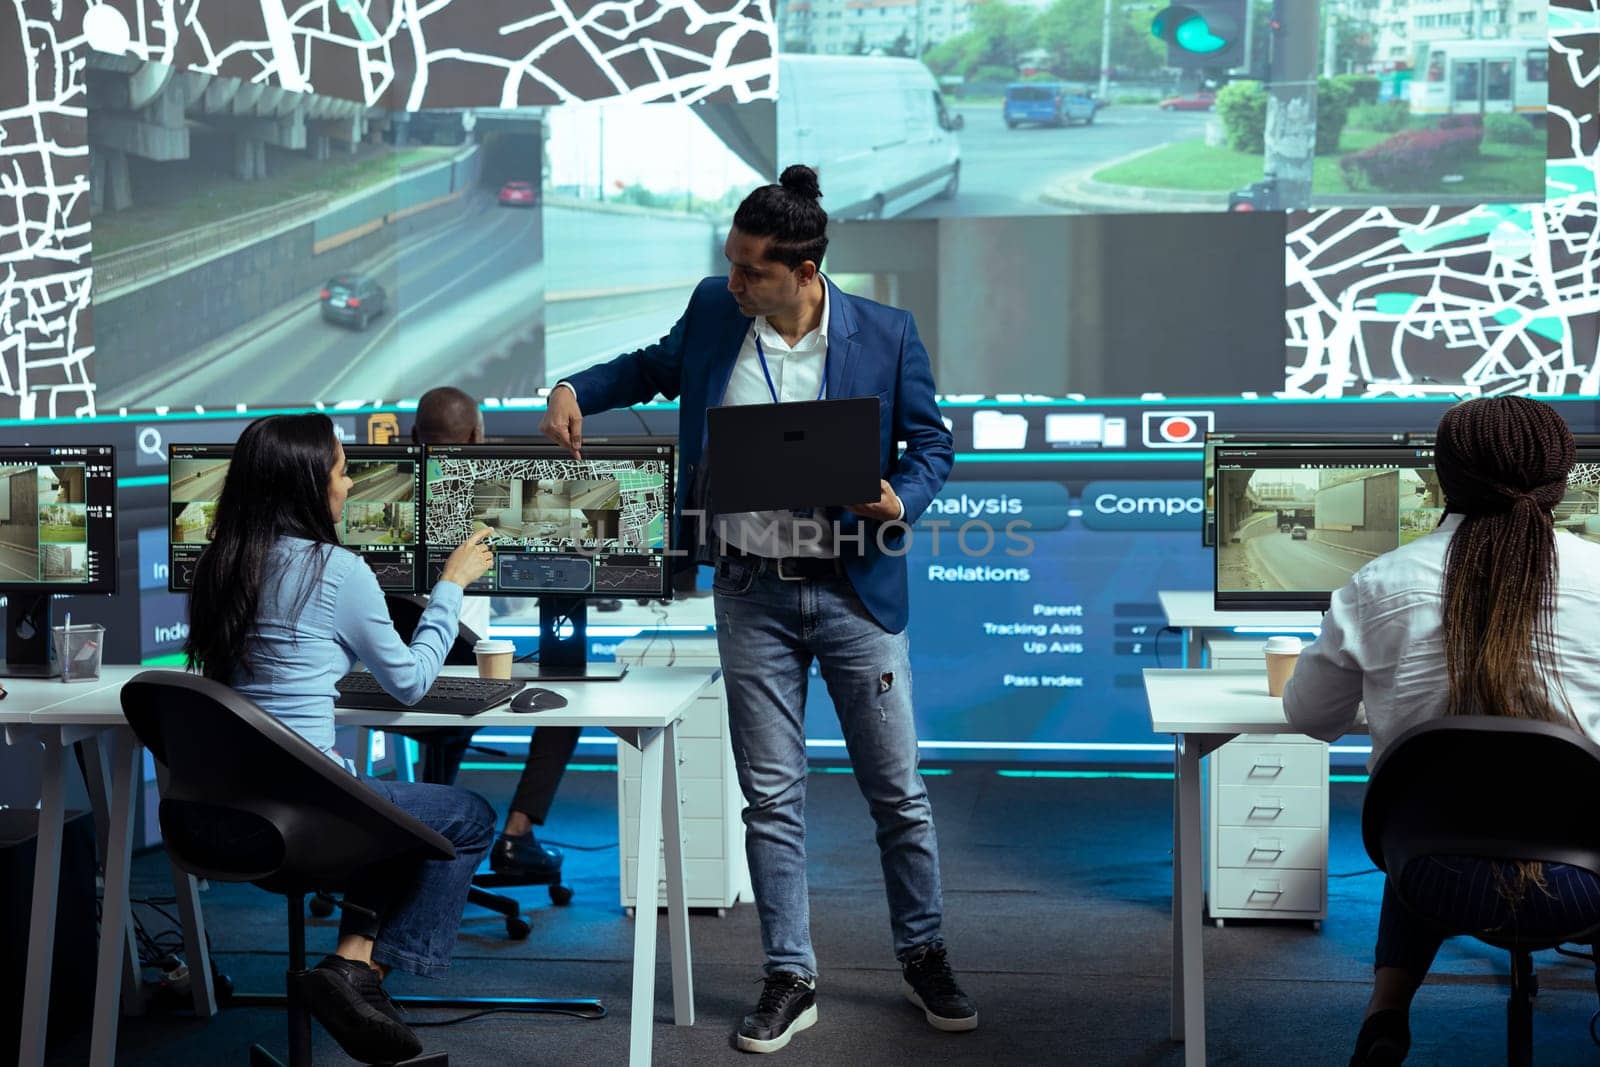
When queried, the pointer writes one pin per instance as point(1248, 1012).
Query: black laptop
point(781, 457)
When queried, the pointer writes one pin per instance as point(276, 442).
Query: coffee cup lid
point(1282, 644)
point(489, 646)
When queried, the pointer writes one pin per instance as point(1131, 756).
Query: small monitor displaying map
point(597, 526)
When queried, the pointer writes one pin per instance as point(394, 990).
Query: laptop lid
point(781, 457)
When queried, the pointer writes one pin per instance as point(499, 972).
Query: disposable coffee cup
point(494, 658)
point(1282, 654)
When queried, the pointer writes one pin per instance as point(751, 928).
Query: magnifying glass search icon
point(150, 443)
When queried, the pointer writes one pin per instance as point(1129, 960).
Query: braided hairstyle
point(1503, 463)
point(790, 214)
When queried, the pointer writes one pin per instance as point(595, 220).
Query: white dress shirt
point(797, 374)
point(1382, 644)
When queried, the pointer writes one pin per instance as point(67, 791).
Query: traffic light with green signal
point(1203, 33)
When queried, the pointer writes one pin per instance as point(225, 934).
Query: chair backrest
point(246, 799)
point(406, 613)
point(1485, 786)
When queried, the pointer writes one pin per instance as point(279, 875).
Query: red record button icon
point(1175, 429)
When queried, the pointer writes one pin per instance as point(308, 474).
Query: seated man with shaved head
point(448, 416)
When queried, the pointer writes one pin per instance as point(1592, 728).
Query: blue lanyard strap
point(762, 356)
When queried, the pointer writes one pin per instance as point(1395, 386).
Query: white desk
point(112, 778)
point(1194, 612)
point(1202, 710)
point(642, 710)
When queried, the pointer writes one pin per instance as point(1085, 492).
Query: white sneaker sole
point(938, 1022)
point(804, 1021)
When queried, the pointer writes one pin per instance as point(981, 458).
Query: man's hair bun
point(802, 181)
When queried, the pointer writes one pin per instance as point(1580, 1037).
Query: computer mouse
point(535, 699)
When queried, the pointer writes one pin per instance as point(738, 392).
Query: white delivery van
point(875, 128)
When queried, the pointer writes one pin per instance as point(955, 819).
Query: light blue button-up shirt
point(298, 656)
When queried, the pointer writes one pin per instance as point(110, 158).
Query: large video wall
point(233, 208)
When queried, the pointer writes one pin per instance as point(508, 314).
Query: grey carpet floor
point(1057, 897)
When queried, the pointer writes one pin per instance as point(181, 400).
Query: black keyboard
point(447, 695)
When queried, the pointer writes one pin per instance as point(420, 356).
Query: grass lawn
point(1193, 165)
point(211, 197)
point(60, 535)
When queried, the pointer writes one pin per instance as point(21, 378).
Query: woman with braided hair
point(1493, 613)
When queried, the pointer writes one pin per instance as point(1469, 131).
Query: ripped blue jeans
point(768, 632)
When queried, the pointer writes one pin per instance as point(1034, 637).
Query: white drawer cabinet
point(1267, 817)
point(715, 871)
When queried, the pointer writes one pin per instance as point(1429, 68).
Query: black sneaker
point(931, 986)
point(788, 1005)
point(524, 857)
point(349, 1000)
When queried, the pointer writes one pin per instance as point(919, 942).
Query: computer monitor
point(1295, 521)
point(58, 536)
point(379, 521)
point(564, 530)
point(1208, 528)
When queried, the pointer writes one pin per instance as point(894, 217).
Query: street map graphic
point(549, 504)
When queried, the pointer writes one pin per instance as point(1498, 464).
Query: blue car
point(1049, 103)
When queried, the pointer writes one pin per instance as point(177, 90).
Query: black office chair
point(1493, 788)
point(248, 800)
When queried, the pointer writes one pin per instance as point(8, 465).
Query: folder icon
point(999, 430)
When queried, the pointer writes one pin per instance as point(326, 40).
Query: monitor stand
point(564, 657)
point(30, 649)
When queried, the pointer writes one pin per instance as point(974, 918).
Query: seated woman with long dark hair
point(1493, 613)
point(279, 611)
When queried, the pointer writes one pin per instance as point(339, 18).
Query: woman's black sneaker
point(931, 986)
point(788, 1005)
point(349, 1000)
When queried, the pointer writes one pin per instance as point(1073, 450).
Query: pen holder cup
point(78, 651)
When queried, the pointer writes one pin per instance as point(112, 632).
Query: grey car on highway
point(353, 300)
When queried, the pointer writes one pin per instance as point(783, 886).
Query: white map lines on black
point(462, 492)
point(465, 53)
point(1433, 301)
point(45, 338)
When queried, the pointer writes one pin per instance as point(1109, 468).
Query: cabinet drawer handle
point(1275, 809)
point(1265, 892)
point(1265, 770)
point(1266, 850)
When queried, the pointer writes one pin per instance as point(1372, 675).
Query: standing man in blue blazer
point(790, 589)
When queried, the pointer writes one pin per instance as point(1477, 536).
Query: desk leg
point(42, 920)
point(114, 911)
point(99, 782)
point(1193, 652)
point(646, 898)
point(677, 910)
point(196, 953)
point(1188, 1001)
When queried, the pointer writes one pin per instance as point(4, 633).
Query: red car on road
point(518, 194)
point(1196, 102)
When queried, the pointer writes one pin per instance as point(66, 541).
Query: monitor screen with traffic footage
point(1296, 522)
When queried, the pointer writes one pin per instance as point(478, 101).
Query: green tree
point(860, 47)
point(1070, 31)
point(902, 45)
point(1004, 32)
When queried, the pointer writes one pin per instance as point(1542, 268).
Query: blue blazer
point(873, 350)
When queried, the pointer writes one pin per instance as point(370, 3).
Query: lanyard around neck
point(762, 356)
